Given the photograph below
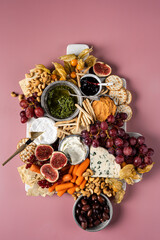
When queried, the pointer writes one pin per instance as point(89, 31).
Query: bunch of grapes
point(110, 135)
point(32, 108)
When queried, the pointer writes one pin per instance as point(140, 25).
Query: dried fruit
point(49, 173)
point(101, 69)
point(43, 152)
point(58, 160)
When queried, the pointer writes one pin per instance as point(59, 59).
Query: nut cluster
point(96, 185)
point(42, 79)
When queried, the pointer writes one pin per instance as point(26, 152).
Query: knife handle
point(20, 149)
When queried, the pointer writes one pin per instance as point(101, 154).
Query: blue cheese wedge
point(103, 163)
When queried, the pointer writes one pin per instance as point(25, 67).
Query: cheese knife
point(34, 135)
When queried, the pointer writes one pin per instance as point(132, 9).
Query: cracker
point(117, 82)
point(129, 97)
point(24, 86)
point(119, 96)
point(28, 151)
point(127, 109)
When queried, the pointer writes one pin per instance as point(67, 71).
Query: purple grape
point(118, 116)
point(125, 143)
point(134, 151)
point(88, 141)
point(141, 140)
point(111, 119)
point(143, 149)
point(127, 151)
point(113, 132)
point(111, 151)
point(120, 123)
point(133, 141)
point(129, 160)
point(118, 151)
point(126, 136)
point(148, 160)
point(150, 152)
point(118, 142)
point(119, 159)
point(143, 165)
point(93, 130)
point(98, 125)
point(85, 134)
point(103, 134)
point(109, 143)
point(24, 119)
point(95, 143)
point(137, 161)
point(30, 99)
point(121, 132)
point(23, 114)
point(123, 116)
point(104, 126)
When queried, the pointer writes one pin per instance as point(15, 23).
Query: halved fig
point(43, 152)
point(58, 160)
point(49, 173)
point(101, 69)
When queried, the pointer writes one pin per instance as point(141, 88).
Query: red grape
point(143, 165)
point(119, 159)
point(127, 151)
point(98, 125)
point(126, 136)
point(148, 160)
point(143, 149)
point(85, 133)
point(24, 103)
point(29, 112)
point(120, 123)
point(24, 119)
point(23, 114)
point(37, 104)
point(129, 160)
point(125, 143)
point(35, 94)
point(137, 161)
point(123, 116)
point(109, 143)
point(111, 151)
point(118, 142)
point(134, 151)
point(88, 141)
point(39, 112)
point(133, 141)
point(141, 140)
point(103, 134)
point(104, 126)
point(121, 132)
point(95, 143)
point(111, 119)
point(30, 99)
point(119, 151)
point(118, 116)
point(150, 152)
point(113, 132)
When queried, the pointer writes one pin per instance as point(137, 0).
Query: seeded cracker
point(28, 151)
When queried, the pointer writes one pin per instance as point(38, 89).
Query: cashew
point(86, 178)
point(78, 194)
point(91, 191)
point(43, 85)
point(107, 192)
point(44, 79)
point(99, 192)
point(38, 99)
point(96, 190)
point(85, 174)
point(37, 82)
point(90, 172)
point(13, 94)
point(32, 74)
point(102, 185)
point(77, 189)
point(39, 93)
point(96, 180)
point(91, 179)
point(20, 97)
point(91, 185)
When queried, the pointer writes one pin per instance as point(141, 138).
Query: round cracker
point(117, 82)
point(129, 97)
point(28, 151)
point(119, 96)
point(127, 109)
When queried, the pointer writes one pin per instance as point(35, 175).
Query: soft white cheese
point(103, 163)
point(74, 148)
point(47, 126)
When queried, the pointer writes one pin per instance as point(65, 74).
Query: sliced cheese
point(103, 163)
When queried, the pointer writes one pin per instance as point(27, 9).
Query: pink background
point(124, 34)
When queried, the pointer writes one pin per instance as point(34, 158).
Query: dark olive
point(83, 212)
point(97, 222)
point(101, 219)
point(99, 216)
point(86, 208)
point(89, 213)
point(94, 216)
point(105, 216)
point(77, 211)
point(95, 206)
point(90, 219)
point(84, 202)
point(82, 218)
point(94, 197)
point(79, 205)
point(90, 225)
point(100, 199)
point(84, 225)
point(106, 209)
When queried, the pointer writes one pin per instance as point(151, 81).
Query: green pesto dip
point(60, 104)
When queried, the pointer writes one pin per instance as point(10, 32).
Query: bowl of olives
point(94, 213)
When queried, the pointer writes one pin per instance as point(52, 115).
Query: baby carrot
point(60, 193)
point(67, 177)
point(83, 184)
point(74, 179)
point(71, 190)
point(63, 186)
point(82, 167)
point(79, 180)
point(75, 169)
point(35, 168)
point(71, 169)
point(65, 168)
point(51, 189)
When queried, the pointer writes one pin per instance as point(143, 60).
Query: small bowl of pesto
point(57, 102)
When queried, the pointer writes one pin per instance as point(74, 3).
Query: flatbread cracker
point(129, 97)
point(120, 96)
point(127, 109)
point(28, 151)
point(117, 82)
point(24, 86)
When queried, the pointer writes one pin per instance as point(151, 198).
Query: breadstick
point(82, 120)
point(78, 79)
point(78, 121)
point(67, 121)
point(91, 109)
point(64, 132)
point(85, 113)
point(66, 124)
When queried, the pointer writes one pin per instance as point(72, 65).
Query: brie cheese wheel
point(47, 126)
point(103, 163)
